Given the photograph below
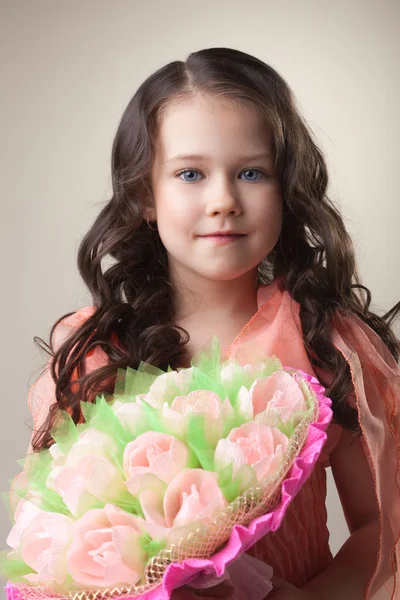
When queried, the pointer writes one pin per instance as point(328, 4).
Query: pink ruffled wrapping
point(250, 576)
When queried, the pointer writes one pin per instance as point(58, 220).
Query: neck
point(205, 299)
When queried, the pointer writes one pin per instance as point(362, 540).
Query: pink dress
point(299, 550)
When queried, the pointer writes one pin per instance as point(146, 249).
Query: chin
point(225, 274)
point(211, 270)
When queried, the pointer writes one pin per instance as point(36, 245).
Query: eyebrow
point(205, 157)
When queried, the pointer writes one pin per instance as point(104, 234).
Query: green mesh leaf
point(65, 432)
point(137, 381)
point(101, 416)
point(37, 469)
point(21, 462)
point(232, 487)
point(12, 567)
point(151, 547)
point(201, 439)
point(208, 359)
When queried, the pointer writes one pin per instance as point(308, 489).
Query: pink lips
point(223, 238)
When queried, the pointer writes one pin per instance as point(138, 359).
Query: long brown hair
point(133, 297)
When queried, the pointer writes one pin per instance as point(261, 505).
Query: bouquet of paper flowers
point(173, 477)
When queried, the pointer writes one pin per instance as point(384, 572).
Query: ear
point(149, 210)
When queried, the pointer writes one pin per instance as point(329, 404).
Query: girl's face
point(213, 173)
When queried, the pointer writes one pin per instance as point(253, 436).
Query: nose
point(222, 198)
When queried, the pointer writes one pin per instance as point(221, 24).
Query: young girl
point(219, 224)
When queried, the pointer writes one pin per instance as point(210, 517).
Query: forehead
point(216, 127)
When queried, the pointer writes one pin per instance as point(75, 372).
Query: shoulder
point(274, 294)
point(70, 324)
point(41, 393)
point(96, 357)
point(79, 316)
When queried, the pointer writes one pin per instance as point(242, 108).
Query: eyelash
point(196, 171)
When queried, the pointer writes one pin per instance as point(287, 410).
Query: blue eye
point(184, 172)
point(254, 171)
point(194, 172)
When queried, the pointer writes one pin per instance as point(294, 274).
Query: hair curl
point(133, 297)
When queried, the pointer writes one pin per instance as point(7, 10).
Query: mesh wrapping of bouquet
point(241, 524)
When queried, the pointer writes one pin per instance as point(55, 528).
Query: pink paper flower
point(280, 395)
point(85, 477)
point(105, 550)
point(93, 481)
point(157, 453)
point(251, 371)
point(192, 497)
point(200, 402)
point(166, 387)
point(91, 442)
point(132, 416)
point(253, 444)
point(42, 539)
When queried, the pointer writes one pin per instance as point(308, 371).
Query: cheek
point(268, 219)
point(177, 214)
point(176, 222)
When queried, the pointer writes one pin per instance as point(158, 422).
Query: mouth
point(223, 238)
point(224, 234)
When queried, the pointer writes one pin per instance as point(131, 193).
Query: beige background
point(68, 70)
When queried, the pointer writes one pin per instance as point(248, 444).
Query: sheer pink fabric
point(376, 379)
point(299, 550)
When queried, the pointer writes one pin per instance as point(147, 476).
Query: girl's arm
point(349, 573)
